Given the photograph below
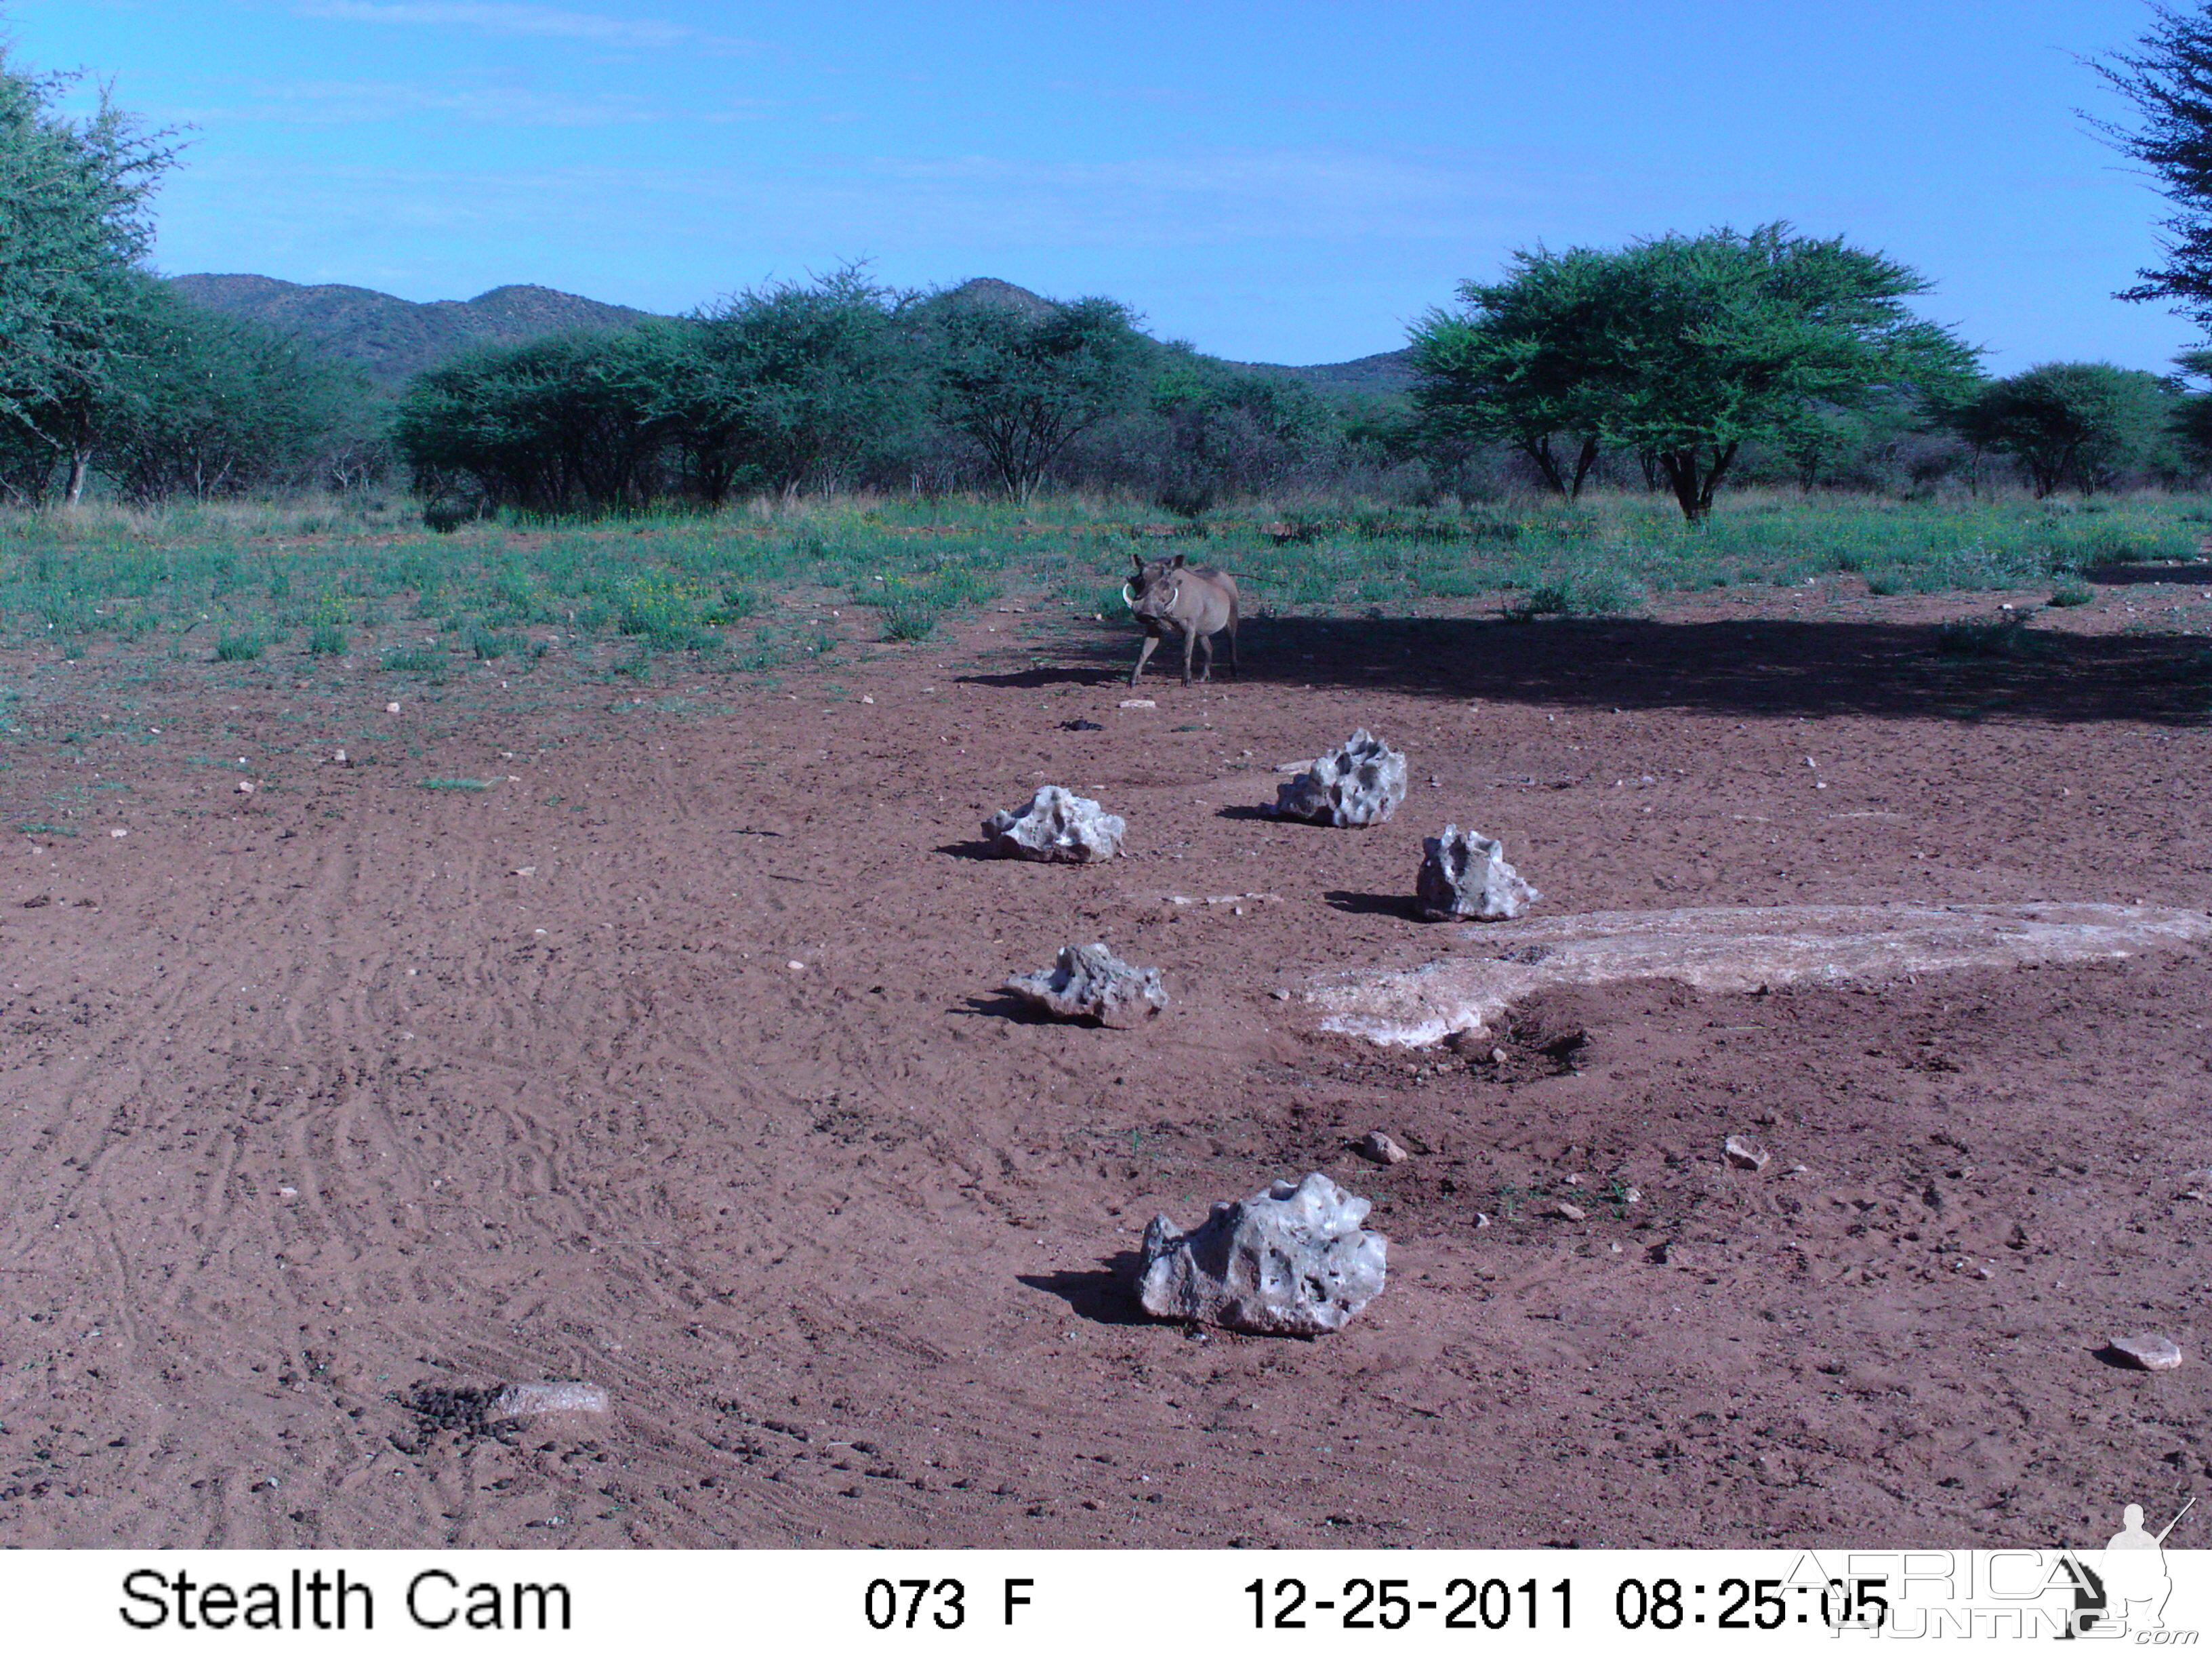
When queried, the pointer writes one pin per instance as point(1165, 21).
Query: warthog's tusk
point(1127, 598)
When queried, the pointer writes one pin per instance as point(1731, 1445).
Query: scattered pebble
point(340, 758)
point(871, 702)
point(1565, 1210)
point(1745, 1154)
point(796, 966)
point(2149, 1350)
point(1280, 995)
point(392, 709)
point(118, 834)
point(1139, 703)
point(245, 785)
point(1379, 1148)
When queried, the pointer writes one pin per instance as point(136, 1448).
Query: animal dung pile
point(1465, 877)
point(1293, 1260)
point(1056, 827)
point(1359, 784)
point(1089, 981)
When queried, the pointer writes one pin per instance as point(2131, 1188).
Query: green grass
point(748, 592)
point(468, 784)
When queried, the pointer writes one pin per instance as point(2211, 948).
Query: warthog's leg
point(1232, 638)
point(1145, 655)
point(1190, 639)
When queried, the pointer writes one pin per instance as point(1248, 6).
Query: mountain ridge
point(393, 339)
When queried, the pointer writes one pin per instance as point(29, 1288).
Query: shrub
point(238, 647)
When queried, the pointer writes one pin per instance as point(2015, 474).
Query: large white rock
point(1090, 981)
point(1361, 783)
point(1293, 1260)
point(1056, 827)
point(1465, 877)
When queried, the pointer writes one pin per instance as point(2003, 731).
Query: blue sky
point(1277, 182)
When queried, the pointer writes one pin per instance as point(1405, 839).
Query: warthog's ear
point(1138, 559)
point(1177, 565)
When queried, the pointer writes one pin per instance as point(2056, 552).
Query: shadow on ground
point(1102, 1295)
point(1752, 667)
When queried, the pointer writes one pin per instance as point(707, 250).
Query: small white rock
point(245, 786)
point(392, 709)
point(118, 834)
point(796, 966)
point(1139, 703)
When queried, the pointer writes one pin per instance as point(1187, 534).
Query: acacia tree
point(74, 232)
point(797, 383)
point(2169, 81)
point(1023, 386)
point(1685, 348)
point(1521, 364)
point(2082, 425)
point(202, 405)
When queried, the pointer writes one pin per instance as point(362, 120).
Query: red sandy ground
point(674, 1061)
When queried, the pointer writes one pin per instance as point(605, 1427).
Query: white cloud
point(505, 17)
point(336, 103)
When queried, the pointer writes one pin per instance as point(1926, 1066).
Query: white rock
point(1465, 877)
point(1359, 784)
point(2149, 1350)
point(1089, 981)
point(1293, 1260)
point(537, 1398)
point(392, 709)
point(118, 834)
point(1056, 827)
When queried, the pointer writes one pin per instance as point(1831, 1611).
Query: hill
point(391, 338)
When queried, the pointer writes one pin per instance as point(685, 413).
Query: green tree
point(202, 405)
point(797, 384)
point(571, 422)
point(1023, 386)
point(1684, 348)
point(2084, 426)
point(1224, 430)
point(1524, 364)
point(2169, 81)
point(75, 228)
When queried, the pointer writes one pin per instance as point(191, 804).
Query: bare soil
point(674, 1061)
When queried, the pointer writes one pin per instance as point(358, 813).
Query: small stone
point(2148, 1349)
point(1280, 995)
point(1089, 981)
point(1139, 703)
point(340, 758)
point(871, 702)
point(1745, 1154)
point(1630, 1195)
point(392, 709)
point(1378, 1148)
point(1480, 1221)
point(539, 1399)
point(119, 835)
point(1567, 1212)
point(245, 785)
point(1056, 827)
point(796, 966)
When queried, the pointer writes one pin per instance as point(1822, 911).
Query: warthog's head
point(1157, 587)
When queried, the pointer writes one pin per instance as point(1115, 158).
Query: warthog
point(1194, 598)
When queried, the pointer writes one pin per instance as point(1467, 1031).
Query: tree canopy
point(75, 228)
point(1679, 348)
point(2079, 425)
point(2169, 81)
